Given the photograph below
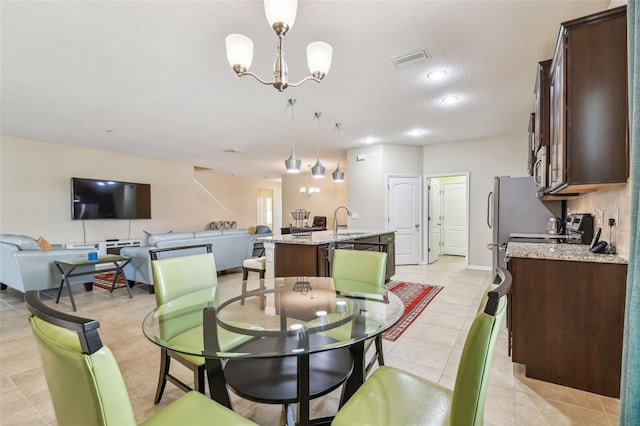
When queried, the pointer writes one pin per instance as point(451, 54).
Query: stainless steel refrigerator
point(513, 207)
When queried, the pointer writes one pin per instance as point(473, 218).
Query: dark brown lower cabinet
point(313, 260)
point(566, 322)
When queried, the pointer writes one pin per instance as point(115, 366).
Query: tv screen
point(108, 199)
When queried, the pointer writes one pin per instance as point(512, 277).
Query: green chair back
point(394, 396)
point(86, 388)
point(468, 400)
point(354, 268)
point(177, 276)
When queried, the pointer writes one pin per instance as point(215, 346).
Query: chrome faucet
point(335, 218)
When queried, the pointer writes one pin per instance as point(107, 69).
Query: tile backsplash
point(607, 202)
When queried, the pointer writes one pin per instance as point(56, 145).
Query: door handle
point(489, 197)
point(417, 225)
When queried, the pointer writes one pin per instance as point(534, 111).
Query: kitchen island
point(310, 255)
point(566, 314)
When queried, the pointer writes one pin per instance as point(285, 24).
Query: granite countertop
point(570, 252)
point(321, 237)
point(539, 236)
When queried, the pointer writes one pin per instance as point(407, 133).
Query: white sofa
point(25, 266)
point(230, 248)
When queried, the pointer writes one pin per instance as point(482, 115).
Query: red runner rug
point(105, 279)
point(415, 297)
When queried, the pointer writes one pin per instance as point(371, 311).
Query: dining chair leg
point(245, 275)
point(379, 350)
point(198, 378)
point(165, 361)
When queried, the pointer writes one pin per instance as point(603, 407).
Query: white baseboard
point(480, 267)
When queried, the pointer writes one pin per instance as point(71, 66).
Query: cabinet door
point(557, 119)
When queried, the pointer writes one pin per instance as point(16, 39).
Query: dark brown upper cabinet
point(589, 124)
point(541, 127)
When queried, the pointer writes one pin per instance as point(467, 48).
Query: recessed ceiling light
point(450, 99)
point(416, 132)
point(436, 75)
point(369, 140)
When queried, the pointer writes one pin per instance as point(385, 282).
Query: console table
point(78, 267)
point(106, 247)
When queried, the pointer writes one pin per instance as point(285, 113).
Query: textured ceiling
point(151, 78)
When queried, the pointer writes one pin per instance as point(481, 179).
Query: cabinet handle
point(536, 168)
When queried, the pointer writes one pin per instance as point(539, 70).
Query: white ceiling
point(151, 78)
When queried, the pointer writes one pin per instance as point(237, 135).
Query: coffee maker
point(579, 228)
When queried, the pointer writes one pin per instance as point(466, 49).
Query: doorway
point(447, 218)
point(403, 217)
point(265, 207)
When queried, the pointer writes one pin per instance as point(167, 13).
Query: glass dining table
point(292, 340)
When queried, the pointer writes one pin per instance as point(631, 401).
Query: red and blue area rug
point(415, 298)
point(105, 279)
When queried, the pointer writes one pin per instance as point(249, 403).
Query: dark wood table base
point(276, 380)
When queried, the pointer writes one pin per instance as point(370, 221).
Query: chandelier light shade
point(338, 174)
point(317, 171)
point(239, 51)
point(281, 14)
point(319, 56)
point(292, 163)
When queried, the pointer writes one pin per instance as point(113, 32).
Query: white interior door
point(434, 218)
point(455, 220)
point(404, 218)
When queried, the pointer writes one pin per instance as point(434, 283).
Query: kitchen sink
point(350, 234)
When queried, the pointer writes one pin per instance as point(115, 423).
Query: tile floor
point(430, 348)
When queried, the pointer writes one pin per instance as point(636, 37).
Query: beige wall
point(367, 194)
point(482, 159)
point(608, 201)
point(35, 197)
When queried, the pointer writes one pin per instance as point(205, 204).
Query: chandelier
point(281, 15)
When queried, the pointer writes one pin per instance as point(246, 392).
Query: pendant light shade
point(317, 171)
point(338, 174)
point(292, 163)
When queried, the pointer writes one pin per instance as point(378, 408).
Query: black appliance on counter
point(579, 228)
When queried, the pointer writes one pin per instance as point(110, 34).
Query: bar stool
point(255, 264)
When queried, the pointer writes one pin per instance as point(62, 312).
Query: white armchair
point(25, 266)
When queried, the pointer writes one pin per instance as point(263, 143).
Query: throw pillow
point(252, 230)
point(43, 243)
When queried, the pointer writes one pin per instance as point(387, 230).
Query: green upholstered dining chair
point(177, 276)
point(85, 382)
point(393, 396)
point(360, 271)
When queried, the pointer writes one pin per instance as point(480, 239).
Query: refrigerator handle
point(489, 199)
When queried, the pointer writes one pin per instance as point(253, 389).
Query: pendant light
point(292, 163)
point(317, 171)
point(338, 174)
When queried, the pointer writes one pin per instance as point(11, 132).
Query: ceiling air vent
point(417, 57)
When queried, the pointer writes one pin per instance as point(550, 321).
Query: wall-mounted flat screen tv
point(108, 199)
